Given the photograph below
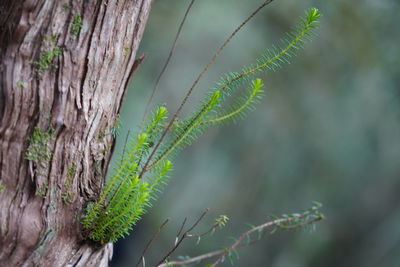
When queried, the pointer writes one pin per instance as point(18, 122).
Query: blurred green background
point(327, 130)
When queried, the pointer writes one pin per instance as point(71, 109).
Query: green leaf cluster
point(126, 197)
point(38, 151)
point(76, 26)
point(20, 84)
point(46, 58)
point(143, 168)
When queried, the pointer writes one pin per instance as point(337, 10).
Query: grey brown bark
point(75, 101)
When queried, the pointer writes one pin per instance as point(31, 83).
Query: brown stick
point(185, 235)
point(167, 61)
point(153, 237)
point(239, 241)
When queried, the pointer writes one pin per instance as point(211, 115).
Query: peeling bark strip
point(64, 68)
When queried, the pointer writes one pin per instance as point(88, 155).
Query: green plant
point(38, 150)
point(76, 26)
point(125, 196)
point(66, 194)
point(42, 190)
point(46, 58)
point(39, 154)
point(142, 170)
point(127, 50)
point(2, 187)
point(20, 84)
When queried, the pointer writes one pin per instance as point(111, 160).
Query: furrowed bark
point(78, 96)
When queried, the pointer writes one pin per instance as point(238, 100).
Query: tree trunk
point(64, 68)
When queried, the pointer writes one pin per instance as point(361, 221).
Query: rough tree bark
point(75, 101)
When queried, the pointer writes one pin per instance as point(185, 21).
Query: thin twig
point(126, 142)
point(167, 61)
point(153, 237)
point(205, 256)
point(204, 233)
point(180, 231)
point(133, 70)
point(211, 62)
point(198, 220)
point(194, 259)
point(262, 227)
point(184, 235)
point(239, 241)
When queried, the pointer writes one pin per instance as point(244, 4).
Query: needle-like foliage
point(274, 57)
point(125, 197)
point(140, 175)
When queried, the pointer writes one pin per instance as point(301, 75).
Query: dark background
point(327, 130)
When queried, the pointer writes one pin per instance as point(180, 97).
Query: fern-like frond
point(127, 166)
point(128, 163)
point(125, 197)
point(273, 58)
point(122, 212)
point(159, 178)
point(241, 105)
point(184, 134)
point(154, 126)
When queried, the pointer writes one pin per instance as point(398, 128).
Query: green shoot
point(46, 58)
point(38, 145)
point(76, 26)
point(20, 84)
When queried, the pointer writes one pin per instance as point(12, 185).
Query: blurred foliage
point(327, 130)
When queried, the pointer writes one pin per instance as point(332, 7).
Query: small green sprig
point(275, 57)
point(241, 105)
point(38, 151)
point(125, 197)
point(20, 84)
point(76, 26)
point(45, 60)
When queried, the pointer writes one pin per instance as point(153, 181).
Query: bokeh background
point(327, 130)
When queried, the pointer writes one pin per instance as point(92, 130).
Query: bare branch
point(194, 259)
point(219, 222)
point(262, 227)
point(153, 237)
point(180, 231)
point(167, 61)
point(184, 235)
point(278, 223)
